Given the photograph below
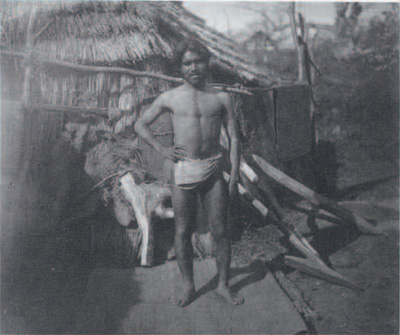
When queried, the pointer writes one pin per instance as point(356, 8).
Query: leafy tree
point(380, 44)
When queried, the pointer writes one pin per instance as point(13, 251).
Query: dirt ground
point(369, 261)
point(56, 266)
point(366, 180)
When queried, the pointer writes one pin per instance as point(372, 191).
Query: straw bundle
point(111, 156)
point(113, 84)
point(102, 90)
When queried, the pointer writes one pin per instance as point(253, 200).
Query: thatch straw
point(106, 32)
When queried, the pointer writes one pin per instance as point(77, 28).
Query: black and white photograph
point(199, 167)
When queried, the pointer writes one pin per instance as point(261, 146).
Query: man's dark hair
point(192, 46)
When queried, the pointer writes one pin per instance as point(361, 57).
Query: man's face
point(194, 68)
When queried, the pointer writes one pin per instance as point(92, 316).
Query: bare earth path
point(372, 261)
point(111, 305)
point(62, 291)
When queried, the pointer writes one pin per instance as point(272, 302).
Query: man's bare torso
point(197, 112)
point(196, 117)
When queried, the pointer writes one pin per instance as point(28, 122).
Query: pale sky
point(227, 15)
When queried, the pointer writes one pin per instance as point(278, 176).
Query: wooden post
point(26, 98)
point(300, 56)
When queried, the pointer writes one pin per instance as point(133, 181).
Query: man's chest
point(197, 105)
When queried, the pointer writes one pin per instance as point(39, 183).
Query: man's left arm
point(229, 123)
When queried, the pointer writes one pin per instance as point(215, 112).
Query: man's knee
point(182, 230)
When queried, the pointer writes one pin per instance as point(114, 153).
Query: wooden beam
point(294, 236)
point(315, 198)
point(245, 193)
point(312, 264)
point(302, 245)
point(107, 69)
point(319, 270)
point(90, 68)
point(295, 296)
point(300, 60)
point(103, 112)
point(231, 89)
point(244, 167)
point(26, 95)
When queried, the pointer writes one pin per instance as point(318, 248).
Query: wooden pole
point(244, 167)
point(312, 264)
point(26, 98)
point(300, 57)
point(103, 112)
point(319, 270)
point(295, 296)
point(245, 193)
point(292, 233)
point(315, 198)
point(294, 236)
point(120, 70)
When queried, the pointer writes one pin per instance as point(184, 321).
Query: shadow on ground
point(45, 280)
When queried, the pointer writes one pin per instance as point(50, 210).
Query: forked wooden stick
point(312, 264)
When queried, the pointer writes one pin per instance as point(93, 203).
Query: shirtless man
point(197, 112)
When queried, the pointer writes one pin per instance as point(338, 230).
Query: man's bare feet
point(187, 297)
point(226, 293)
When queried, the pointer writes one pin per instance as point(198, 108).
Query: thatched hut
point(137, 35)
point(72, 65)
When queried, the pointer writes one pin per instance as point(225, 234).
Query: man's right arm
point(142, 128)
point(142, 125)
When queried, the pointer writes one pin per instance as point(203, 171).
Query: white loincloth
point(189, 173)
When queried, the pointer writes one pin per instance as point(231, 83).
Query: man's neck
point(199, 87)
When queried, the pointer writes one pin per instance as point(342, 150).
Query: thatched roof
point(107, 32)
